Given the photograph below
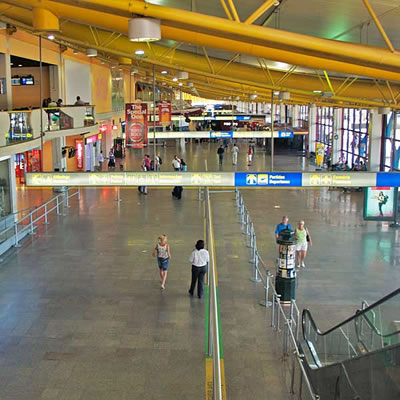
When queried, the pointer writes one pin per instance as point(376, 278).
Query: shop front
point(92, 150)
point(29, 161)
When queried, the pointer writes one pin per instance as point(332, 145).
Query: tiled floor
point(82, 315)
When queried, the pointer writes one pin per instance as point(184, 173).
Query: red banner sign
point(79, 153)
point(136, 124)
point(164, 113)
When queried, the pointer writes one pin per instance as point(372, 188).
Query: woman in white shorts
point(301, 235)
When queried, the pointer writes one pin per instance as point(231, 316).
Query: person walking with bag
point(303, 239)
point(199, 260)
point(163, 254)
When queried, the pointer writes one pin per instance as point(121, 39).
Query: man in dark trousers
point(220, 153)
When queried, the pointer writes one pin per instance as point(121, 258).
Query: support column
point(337, 134)
point(59, 162)
point(5, 75)
point(312, 128)
point(282, 113)
point(375, 141)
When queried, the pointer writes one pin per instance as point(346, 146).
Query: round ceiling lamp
point(91, 52)
point(144, 30)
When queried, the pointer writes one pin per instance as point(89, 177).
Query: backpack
point(160, 159)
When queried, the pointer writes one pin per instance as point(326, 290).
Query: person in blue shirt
point(283, 225)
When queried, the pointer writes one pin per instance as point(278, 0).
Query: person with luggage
point(143, 189)
point(220, 153)
point(235, 152)
point(303, 239)
point(163, 253)
point(199, 260)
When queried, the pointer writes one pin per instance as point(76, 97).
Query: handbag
point(307, 236)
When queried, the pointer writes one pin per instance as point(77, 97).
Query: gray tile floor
point(82, 315)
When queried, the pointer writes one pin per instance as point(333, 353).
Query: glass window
point(391, 144)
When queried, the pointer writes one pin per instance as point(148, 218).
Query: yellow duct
point(124, 61)
point(120, 24)
point(376, 57)
point(235, 75)
point(44, 20)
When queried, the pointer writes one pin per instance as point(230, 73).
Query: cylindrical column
point(154, 117)
point(41, 103)
point(272, 130)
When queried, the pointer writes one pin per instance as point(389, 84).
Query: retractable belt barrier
point(216, 179)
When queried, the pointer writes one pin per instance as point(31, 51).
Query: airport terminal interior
point(199, 200)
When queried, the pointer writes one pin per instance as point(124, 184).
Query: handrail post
point(16, 235)
point(79, 193)
point(31, 223)
point(46, 222)
point(67, 197)
point(57, 206)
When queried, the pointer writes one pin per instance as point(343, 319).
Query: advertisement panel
point(136, 124)
point(164, 112)
point(319, 154)
point(380, 203)
point(79, 153)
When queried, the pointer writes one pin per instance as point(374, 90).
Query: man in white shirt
point(235, 151)
point(199, 260)
point(100, 160)
point(176, 163)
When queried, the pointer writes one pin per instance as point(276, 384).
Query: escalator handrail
point(359, 313)
point(374, 328)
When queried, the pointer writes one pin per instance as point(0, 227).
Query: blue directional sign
point(285, 134)
point(243, 118)
point(221, 134)
point(270, 179)
point(385, 179)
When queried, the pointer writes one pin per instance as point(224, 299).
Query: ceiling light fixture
point(144, 30)
point(19, 65)
point(91, 52)
point(180, 84)
point(139, 52)
point(164, 72)
point(175, 79)
point(50, 37)
point(75, 51)
point(3, 25)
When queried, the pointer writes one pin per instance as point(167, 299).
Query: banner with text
point(164, 112)
point(136, 124)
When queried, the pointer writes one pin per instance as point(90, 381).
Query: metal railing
point(27, 224)
point(281, 316)
point(213, 323)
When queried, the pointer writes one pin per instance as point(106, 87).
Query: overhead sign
point(136, 124)
point(217, 179)
point(285, 134)
point(270, 179)
point(131, 179)
point(339, 179)
point(221, 134)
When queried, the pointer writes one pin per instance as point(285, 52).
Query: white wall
point(77, 82)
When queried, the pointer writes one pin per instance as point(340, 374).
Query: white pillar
point(312, 127)
point(283, 113)
point(337, 134)
point(59, 162)
point(295, 115)
point(375, 141)
point(5, 75)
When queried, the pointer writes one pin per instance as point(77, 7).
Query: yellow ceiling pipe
point(260, 11)
point(44, 20)
point(376, 57)
point(120, 24)
point(237, 73)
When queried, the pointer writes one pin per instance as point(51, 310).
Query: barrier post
point(79, 193)
point(67, 198)
point(237, 197)
point(46, 222)
point(255, 277)
point(266, 302)
point(31, 224)
point(57, 206)
point(16, 235)
point(118, 195)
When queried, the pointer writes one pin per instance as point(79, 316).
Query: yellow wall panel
point(101, 88)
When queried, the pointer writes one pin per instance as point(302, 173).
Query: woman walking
point(163, 254)
point(303, 238)
point(249, 156)
point(199, 259)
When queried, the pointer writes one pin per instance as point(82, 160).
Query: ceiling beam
point(267, 5)
point(234, 12)
point(226, 9)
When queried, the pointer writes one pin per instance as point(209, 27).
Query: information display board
point(380, 203)
point(339, 179)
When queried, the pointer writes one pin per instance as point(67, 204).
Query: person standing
point(220, 153)
point(163, 254)
point(249, 156)
point(100, 160)
point(199, 260)
point(235, 151)
point(111, 159)
point(143, 189)
point(283, 225)
point(303, 238)
point(176, 163)
point(157, 163)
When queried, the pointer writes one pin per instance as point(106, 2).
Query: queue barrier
point(216, 179)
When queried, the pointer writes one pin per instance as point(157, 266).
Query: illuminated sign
point(79, 153)
point(285, 134)
point(341, 179)
point(221, 134)
point(268, 179)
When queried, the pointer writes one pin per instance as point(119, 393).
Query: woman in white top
point(163, 254)
point(199, 259)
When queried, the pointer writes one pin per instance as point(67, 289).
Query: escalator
point(358, 359)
